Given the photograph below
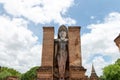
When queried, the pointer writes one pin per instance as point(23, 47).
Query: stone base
point(77, 73)
point(45, 73)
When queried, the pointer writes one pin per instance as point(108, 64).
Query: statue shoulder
point(56, 40)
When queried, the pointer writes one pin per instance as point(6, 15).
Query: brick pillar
point(45, 72)
point(48, 46)
point(74, 46)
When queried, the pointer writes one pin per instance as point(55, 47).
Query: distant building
point(12, 78)
point(93, 75)
point(117, 41)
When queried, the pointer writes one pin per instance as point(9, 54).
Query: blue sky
point(22, 22)
point(83, 10)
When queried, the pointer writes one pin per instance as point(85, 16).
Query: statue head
point(62, 32)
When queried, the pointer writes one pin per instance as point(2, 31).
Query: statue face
point(62, 34)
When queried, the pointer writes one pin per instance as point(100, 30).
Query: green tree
point(30, 75)
point(112, 72)
point(5, 72)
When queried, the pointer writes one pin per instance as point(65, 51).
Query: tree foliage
point(5, 72)
point(30, 75)
point(112, 72)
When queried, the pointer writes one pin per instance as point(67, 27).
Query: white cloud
point(99, 42)
point(40, 11)
point(92, 17)
point(19, 48)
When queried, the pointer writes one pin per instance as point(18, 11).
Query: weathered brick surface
point(45, 73)
point(77, 72)
point(48, 46)
point(74, 46)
